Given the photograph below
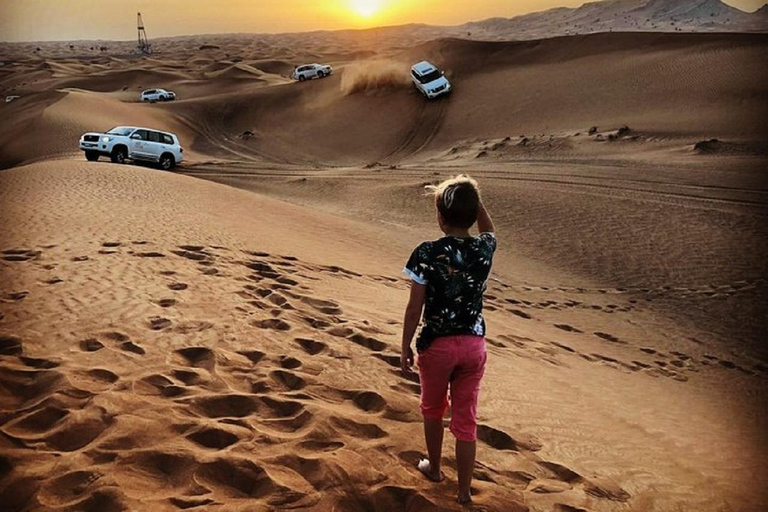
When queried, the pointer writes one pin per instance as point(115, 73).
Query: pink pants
point(457, 362)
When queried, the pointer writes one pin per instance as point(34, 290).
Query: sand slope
point(368, 111)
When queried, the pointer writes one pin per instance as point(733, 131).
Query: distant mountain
point(623, 16)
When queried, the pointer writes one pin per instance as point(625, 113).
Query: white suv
point(126, 142)
point(153, 95)
point(429, 80)
point(308, 71)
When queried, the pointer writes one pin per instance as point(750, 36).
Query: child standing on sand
point(448, 278)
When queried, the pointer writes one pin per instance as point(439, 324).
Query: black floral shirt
point(455, 271)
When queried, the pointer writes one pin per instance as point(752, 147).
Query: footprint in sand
point(34, 362)
point(521, 314)
point(151, 254)
point(368, 342)
point(103, 375)
point(166, 303)
point(502, 441)
point(188, 377)
point(253, 355)
point(224, 406)
point(68, 488)
point(262, 269)
point(20, 254)
point(608, 337)
point(369, 401)
point(197, 357)
point(358, 430)
point(197, 255)
point(78, 431)
point(129, 346)
point(234, 477)
point(15, 296)
point(178, 286)
point(564, 347)
point(91, 345)
point(316, 323)
point(10, 345)
point(310, 346)
point(568, 328)
point(274, 324)
point(289, 363)
point(314, 445)
point(214, 438)
point(288, 380)
point(158, 323)
point(327, 307)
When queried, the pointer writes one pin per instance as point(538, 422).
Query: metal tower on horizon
point(144, 46)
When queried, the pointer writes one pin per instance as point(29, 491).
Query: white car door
point(154, 146)
point(138, 144)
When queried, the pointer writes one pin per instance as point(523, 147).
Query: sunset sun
point(365, 8)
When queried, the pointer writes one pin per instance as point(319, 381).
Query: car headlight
point(106, 139)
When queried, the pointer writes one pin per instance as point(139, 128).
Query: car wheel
point(302, 78)
point(91, 156)
point(166, 162)
point(119, 155)
point(320, 74)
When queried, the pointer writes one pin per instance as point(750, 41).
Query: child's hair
point(457, 199)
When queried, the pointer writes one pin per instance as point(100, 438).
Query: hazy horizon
point(47, 20)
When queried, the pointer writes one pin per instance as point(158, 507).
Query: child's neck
point(457, 232)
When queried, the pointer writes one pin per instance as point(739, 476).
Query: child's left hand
point(406, 360)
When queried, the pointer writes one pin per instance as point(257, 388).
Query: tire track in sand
point(429, 120)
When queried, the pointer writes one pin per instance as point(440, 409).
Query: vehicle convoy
point(153, 95)
point(309, 71)
point(429, 80)
point(137, 144)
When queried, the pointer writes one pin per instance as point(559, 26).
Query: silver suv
point(138, 144)
point(429, 80)
point(308, 71)
point(153, 95)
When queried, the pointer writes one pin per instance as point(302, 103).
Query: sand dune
point(554, 87)
point(168, 343)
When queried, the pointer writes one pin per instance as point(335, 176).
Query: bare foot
point(464, 500)
point(426, 468)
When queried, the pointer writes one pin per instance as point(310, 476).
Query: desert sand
point(226, 336)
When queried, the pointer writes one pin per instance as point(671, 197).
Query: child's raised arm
point(484, 222)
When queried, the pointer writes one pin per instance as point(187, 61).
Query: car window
point(151, 91)
point(430, 77)
point(141, 133)
point(153, 136)
point(120, 130)
point(167, 139)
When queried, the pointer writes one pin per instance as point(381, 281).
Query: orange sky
point(46, 20)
